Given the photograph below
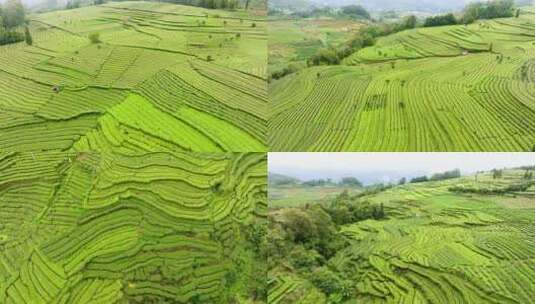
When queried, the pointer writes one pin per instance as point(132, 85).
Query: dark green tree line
point(12, 17)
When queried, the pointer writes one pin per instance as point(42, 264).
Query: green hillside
point(144, 228)
point(155, 77)
point(453, 88)
point(434, 244)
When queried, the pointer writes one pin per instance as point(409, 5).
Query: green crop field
point(434, 246)
point(296, 195)
point(162, 77)
point(144, 228)
point(452, 88)
point(293, 41)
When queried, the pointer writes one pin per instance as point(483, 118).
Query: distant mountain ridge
point(278, 179)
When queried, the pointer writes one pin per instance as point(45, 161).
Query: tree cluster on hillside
point(456, 173)
point(488, 10)
point(350, 181)
point(419, 179)
point(319, 182)
point(496, 173)
point(281, 180)
point(492, 191)
point(356, 12)
point(474, 11)
point(306, 238)
point(346, 181)
point(12, 18)
point(440, 20)
point(213, 4)
point(343, 210)
point(257, 242)
point(366, 36)
point(446, 175)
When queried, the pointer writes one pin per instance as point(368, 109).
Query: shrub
point(94, 38)
point(326, 280)
point(440, 20)
point(8, 37)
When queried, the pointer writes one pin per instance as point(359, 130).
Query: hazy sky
point(375, 167)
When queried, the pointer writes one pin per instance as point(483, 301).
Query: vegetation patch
point(414, 242)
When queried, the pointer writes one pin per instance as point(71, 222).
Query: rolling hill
point(453, 88)
point(154, 77)
point(464, 240)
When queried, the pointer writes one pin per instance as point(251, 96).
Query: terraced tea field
point(163, 77)
point(143, 228)
point(454, 88)
point(434, 246)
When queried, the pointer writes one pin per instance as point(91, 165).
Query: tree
point(419, 179)
point(410, 22)
point(300, 257)
point(440, 20)
point(356, 11)
point(327, 56)
point(73, 4)
point(8, 37)
point(28, 36)
point(300, 226)
point(517, 14)
point(378, 212)
point(13, 14)
point(497, 173)
point(402, 181)
point(446, 175)
point(488, 10)
point(326, 280)
point(351, 181)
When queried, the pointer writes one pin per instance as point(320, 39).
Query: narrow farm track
point(163, 75)
point(107, 228)
point(453, 88)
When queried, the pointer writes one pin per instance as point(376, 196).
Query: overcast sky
point(385, 167)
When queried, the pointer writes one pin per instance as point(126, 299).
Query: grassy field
point(434, 246)
point(144, 228)
point(292, 41)
point(453, 88)
point(297, 195)
point(163, 77)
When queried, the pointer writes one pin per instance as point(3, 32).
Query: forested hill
point(279, 179)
